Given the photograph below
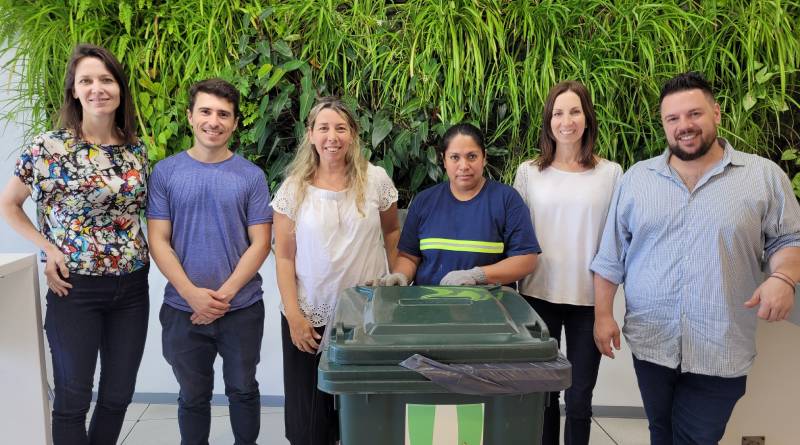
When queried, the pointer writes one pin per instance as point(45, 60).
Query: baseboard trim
point(623, 412)
point(166, 398)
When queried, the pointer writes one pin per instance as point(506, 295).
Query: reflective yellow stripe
point(461, 245)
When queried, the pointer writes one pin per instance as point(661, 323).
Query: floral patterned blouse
point(90, 200)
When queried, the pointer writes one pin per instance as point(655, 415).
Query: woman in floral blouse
point(88, 180)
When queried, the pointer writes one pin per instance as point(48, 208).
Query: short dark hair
point(691, 80)
point(463, 129)
point(71, 113)
point(215, 87)
point(547, 141)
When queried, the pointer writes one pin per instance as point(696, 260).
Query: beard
point(684, 155)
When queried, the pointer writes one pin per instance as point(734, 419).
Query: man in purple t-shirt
point(209, 225)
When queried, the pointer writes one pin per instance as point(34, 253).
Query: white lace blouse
point(337, 248)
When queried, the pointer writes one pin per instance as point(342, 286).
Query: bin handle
point(367, 291)
point(339, 333)
point(539, 329)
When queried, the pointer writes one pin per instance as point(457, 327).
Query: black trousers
point(578, 325)
point(108, 314)
point(309, 415)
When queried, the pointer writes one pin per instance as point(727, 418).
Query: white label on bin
point(444, 424)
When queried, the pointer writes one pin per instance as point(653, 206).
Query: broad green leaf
point(401, 144)
point(496, 151)
point(262, 107)
point(276, 77)
point(292, 65)
point(748, 101)
point(186, 142)
point(789, 155)
point(283, 49)
point(144, 99)
point(434, 172)
point(307, 96)
point(796, 183)
point(762, 76)
point(265, 13)
point(363, 122)
point(432, 156)
point(148, 84)
point(381, 126)
point(387, 165)
point(411, 106)
point(264, 70)
point(263, 48)
point(416, 179)
point(780, 105)
point(280, 103)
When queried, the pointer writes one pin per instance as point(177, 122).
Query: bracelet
point(785, 280)
point(784, 275)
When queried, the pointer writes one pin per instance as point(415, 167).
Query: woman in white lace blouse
point(335, 226)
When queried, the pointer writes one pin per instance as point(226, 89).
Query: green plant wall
point(411, 68)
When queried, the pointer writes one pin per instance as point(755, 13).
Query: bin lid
point(450, 324)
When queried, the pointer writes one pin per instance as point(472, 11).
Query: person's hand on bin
point(390, 279)
point(469, 277)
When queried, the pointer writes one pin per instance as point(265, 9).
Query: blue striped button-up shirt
point(689, 260)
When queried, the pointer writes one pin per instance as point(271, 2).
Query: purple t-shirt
point(210, 207)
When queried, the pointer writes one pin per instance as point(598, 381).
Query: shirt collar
point(729, 156)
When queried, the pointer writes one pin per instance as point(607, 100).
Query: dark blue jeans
point(191, 350)
point(685, 408)
point(105, 314)
point(578, 324)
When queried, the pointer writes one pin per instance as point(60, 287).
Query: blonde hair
point(301, 171)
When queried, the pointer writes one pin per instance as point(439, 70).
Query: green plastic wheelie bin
point(477, 363)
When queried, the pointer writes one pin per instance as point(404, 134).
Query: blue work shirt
point(448, 234)
point(689, 260)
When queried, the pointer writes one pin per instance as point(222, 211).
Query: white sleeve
point(384, 187)
point(285, 201)
point(521, 181)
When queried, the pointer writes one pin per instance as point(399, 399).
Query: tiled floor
point(157, 424)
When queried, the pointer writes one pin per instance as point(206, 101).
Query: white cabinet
point(24, 412)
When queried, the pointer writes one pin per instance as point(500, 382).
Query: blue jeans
point(191, 350)
point(685, 408)
point(578, 324)
point(107, 314)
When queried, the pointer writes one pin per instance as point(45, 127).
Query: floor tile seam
point(130, 431)
point(605, 431)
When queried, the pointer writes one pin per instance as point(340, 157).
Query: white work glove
point(469, 277)
point(390, 279)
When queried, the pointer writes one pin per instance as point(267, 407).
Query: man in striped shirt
point(689, 232)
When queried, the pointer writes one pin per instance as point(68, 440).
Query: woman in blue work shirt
point(467, 231)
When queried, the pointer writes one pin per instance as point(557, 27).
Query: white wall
point(616, 382)
point(770, 406)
